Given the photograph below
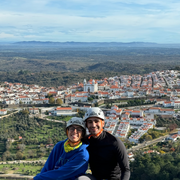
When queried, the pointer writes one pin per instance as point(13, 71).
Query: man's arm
point(123, 160)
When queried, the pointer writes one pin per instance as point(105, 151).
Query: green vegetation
point(136, 102)
point(52, 78)
point(59, 101)
point(152, 134)
point(169, 122)
point(60, 118)
point(80, 113)
point(38, 138)
point(22, 168)
point(168, 146)
point(59, 65)
point(154, 166)
point(36, 134)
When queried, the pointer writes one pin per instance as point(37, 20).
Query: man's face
point(94, 125)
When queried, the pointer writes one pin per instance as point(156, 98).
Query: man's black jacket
point(108, 157)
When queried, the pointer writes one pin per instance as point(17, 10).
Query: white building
point(34, 110)
point(91, 86)
point(130, 94)
point(138, 121)
point(63, 111)
point(140, 132)
point(25, 99)
point(137, 113)
point(114, 88)
point(174, 137)
point(176, 104)
point(159, 111)
point(115, 110)
point(135, 136)
point(103, 94)
point(123, 129)
point(81, 98)
point(110, 125)
point(167, 104)
point(131, 156)
point(3, 111)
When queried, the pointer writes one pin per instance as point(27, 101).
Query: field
point(60, 118)
point(22, 168)
point(22, 137)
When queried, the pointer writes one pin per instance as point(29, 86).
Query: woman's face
point(75, 133)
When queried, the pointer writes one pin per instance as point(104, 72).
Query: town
point(119, 121)
point(131, 104)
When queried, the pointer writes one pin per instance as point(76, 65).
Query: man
point(108, 156)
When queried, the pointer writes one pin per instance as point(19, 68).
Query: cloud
point(78, 20)
point(5, 36)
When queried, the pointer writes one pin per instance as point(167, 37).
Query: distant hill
point(67, 62)
point(89, 44)
point(124, 68)
point(95, 44)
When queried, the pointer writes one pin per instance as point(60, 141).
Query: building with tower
point(91, 86)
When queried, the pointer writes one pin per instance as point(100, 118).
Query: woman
point(69, 158)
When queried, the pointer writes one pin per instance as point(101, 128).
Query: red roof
point(52, 92)
point(63, 108)
point(114, 87)
point(3, 110)
point(136, 111)
point(23, 97)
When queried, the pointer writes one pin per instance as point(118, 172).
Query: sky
point(90, 20)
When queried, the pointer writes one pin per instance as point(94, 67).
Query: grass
point(21, 168)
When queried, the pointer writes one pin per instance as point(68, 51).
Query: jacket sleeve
point(123, 160)
point(68, 170)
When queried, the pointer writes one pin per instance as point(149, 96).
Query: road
point(19, 176)
point(23, 161)
point(9, 114)
point(166, 82)
point(43, 117)
point(147, 143)
point(132, 107)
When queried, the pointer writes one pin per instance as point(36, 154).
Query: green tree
point(25, 111)
point(81, 113)
point(59, 101)
point(19, 155)
point(49, 141)
point(6, 155)
point(90, 99)
point(21, 147)
point(51, 100)
point(148, 138)
point(49, 95)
